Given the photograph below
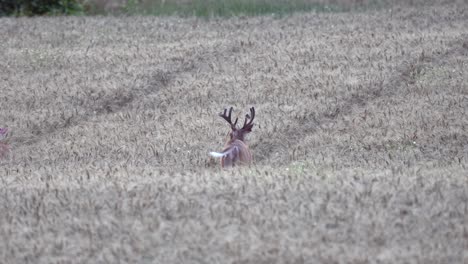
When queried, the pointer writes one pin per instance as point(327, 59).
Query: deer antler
point(248, 125)
point(228, 118)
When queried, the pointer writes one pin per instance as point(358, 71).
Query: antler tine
point(252, 110)
point(228, 117)
point(235, 122)
point(249, 118)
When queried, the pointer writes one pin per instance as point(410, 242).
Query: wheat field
point(360, 139)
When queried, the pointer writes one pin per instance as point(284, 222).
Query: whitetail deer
point(236, 151)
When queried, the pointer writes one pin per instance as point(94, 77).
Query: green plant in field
point(40, 7)
point(224, 8)
point(132, 6)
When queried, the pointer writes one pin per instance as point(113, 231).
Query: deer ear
point(248, 128)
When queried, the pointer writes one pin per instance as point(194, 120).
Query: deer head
point(239, 133)
point(236, 151)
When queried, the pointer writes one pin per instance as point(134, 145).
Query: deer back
point(238, 154)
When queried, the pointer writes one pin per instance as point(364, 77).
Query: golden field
point(360, 142)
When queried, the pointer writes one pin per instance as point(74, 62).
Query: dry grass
point(361, 142)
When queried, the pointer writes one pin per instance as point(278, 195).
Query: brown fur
point(239, 154)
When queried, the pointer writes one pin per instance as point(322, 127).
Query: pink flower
point(3, 132)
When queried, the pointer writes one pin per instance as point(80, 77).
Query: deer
point(236, 152)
